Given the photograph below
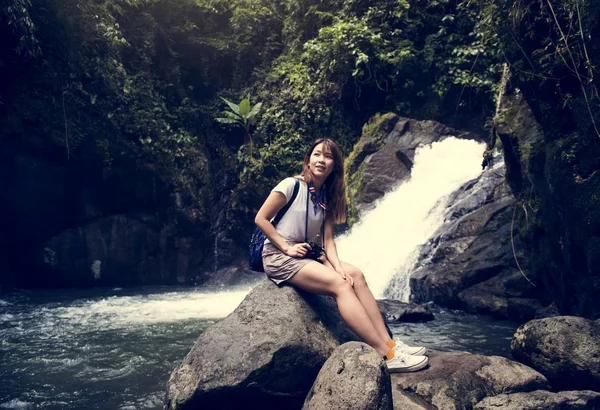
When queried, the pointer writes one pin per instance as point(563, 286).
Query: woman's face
point(321, 162)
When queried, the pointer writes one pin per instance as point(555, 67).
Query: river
point(114, 349)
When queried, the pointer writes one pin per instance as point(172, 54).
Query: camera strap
point(306, 223)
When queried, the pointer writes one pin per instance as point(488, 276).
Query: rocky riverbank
point(287, 349)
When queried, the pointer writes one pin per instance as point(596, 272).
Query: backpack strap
point(283, 210)
point(306, 219)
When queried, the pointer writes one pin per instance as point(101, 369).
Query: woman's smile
point(321, 161)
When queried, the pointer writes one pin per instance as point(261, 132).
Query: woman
point(285, 250)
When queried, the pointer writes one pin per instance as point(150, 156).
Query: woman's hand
point(345, 276)
point(298, 250)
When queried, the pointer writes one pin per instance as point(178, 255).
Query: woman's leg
point(367, 299)
point(370, 305)
point(318, 278)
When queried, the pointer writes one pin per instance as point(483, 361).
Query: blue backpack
point(257, 240)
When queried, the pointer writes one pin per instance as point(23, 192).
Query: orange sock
point(389, 355)
point(391, 344)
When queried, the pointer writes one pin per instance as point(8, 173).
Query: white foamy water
point(120, 311)
point(77, 351)
point(387, 237)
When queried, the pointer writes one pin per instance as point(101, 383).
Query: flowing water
point(115, 348)
point(100, 349)
point(385, 241)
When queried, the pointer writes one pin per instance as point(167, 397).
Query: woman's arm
point(275, 201)
point(331, 250)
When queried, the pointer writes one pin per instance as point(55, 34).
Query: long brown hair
point(335, 196)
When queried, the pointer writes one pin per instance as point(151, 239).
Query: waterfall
point(217, 227)
point(384, 244)
point(216, 253)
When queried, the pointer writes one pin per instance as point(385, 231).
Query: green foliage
point(347, 60)
point(475, 55)
point(140, 80)
point(18, 18)
point(558, 65)
point(243, 114)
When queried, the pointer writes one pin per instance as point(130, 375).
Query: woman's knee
point(357, 275)
point(340, 287)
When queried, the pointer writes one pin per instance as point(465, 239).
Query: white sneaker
point(404, 363)
point(402, 347)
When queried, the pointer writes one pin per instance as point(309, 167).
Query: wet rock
point(565, 349)
point(547, 311)
point(542, 399)
point(118, 250)
point(404, 400)
point(268, 351)
point(384, 155)
point(468, 263)
point(553, 168)
point(460, 380)
point(396, 311)
point(353, 378)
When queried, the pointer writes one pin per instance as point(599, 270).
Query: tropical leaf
point(245, 108)
point(232, 115)
point(226, 120)
point(255, 110)
point(234, 107)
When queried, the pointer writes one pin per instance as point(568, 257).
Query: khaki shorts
point(278, 266)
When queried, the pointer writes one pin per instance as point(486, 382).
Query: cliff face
point(555, 174)
point(548, 122)
point(73, 223)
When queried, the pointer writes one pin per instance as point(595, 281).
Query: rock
point(74, 223)
point(354, 377)
point(117, 250)
point(541, 399)
point(396, 311)
point(404, 400)
point(547, 311)
point(468, 263)
point(544, 162)
point(383, 157)
point(565, 349)
point(268, 351)
point(460, 380)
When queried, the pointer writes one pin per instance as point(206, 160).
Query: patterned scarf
point(320, 201)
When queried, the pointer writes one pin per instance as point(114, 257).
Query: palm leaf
point(245, 108)
point(232, 115)
point(226, 120)
point(234, 107)
point(255, 110)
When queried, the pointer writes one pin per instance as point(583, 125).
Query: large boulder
point(565, 349)
point(468, 263)
point(396, 311)
point(460, 380)
point(542, 399)
point(353, 378)
point(269, 350)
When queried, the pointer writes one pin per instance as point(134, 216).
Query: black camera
point(316, 252)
